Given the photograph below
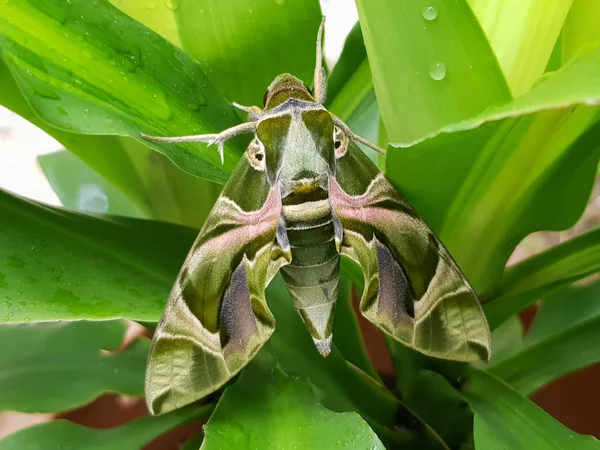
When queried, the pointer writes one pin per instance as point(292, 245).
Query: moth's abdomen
point(312, 276)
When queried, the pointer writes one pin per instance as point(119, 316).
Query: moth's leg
point(355, 137)
point(254, 112)
point(210, 139)
point(320, 81)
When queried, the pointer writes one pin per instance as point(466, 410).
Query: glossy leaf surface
point(70, 436)
point(505, 172)
point(448, 73)
point(504, 419)
point(98, 71)
point(522, 34)
point(63, 366)
point(529, 280)
point(563, 339)
point(123, 268)
point(249, 415)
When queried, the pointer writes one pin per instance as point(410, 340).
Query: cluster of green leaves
point(490, 110)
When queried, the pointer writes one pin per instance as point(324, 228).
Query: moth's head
point(284, 87)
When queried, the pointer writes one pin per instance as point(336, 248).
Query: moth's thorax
point(283, 88)
point(298, 146)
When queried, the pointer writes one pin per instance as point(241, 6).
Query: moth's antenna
point(210, 139)
point(320, 81)
point(355, 137)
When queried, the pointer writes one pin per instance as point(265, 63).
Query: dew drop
point(172, 4)
point(437, 71)
point(430, 13)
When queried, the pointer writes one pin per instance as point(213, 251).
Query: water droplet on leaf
point(430, 13)
point(437, 71)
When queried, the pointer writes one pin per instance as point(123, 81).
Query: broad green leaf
point(351, 95)
point(65, 435)
point(486, 183)
point(157, 15)
point(564, 338)
point(431, 67)
point(56, 366)
point(527, 281)
point(103, 153)
point(265, 409)
point(81, 188)
point(242, 45)
point(506, 420)
point(242, 42)
point(58, 264)
point(581, 29)
point(87, 67)
point(146, 177)
point(352, 57)
point(174, 195)
point(522, 34)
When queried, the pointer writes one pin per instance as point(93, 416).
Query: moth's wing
point(414, 291)
point(216, 318)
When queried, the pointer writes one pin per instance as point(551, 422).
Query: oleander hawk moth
point(304, 194)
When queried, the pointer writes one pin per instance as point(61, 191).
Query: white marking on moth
point(256, 154)
point(307, 211)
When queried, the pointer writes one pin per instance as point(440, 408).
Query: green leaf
point(65, 435)
point(58, 264)
point(505, 420)
point(352, 57)
point(564, 338)
point(412, 103)
point(266, 409)
point(156, 15)
point(527, 281)
point(522, 34)
point(103, 153)
point(486, 183)
point(351, 95)
point(250, 42)
point(63, 366)
point(87, 67)
point(428, 394)
point(581, 30)
point(238, 50)
point(81, 188)
point(146, 177)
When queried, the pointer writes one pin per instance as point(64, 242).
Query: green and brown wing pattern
point(414, 291)
point(217, 318)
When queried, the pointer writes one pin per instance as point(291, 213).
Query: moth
point(302, 195)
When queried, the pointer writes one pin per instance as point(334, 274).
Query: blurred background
point(571, 400)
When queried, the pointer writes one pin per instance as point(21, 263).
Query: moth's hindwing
point(414, 291)
point(216, 318)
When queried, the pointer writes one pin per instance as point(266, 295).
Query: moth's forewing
point(217, 318)
point(414, 291)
